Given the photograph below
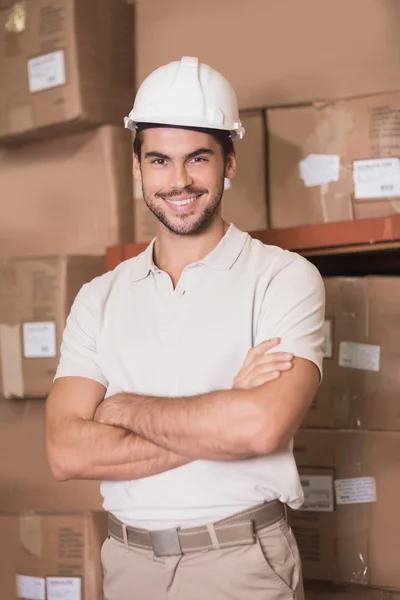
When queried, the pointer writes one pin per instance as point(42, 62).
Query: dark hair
point(224, 138)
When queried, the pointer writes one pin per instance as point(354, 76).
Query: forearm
point(215, 426)
point(90, 450)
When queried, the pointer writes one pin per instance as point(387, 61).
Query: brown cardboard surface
point(61, 545)
point(26, 482)
point(361, 310)
point(277, 53)
point(37, 293)
point(85, 75)
point(245, 201)
point(8, 555)
point(69, 195)
point(363, 539)
point(355, 129)
point(325, 591)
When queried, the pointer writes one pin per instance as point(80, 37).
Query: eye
point(199, 159)
point(158, 162)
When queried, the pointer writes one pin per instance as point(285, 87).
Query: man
point(186, 371)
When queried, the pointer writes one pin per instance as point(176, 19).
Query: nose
point(180, 177)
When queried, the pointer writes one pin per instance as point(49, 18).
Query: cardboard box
point(324, 591)
point(335, 161)
point(69, 195)
point(64, 65)
point(52, 555)
point(352, 535)
point(277, 53)
point(8, 555)
point(26, 482)
point(245, 199)
point(36, 295)
point(361, 381)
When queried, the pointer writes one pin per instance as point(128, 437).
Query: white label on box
point(319, 169)
point(64, 588)
point(31, 588)
point(39, 339)
point(359, 356)
point(227, 184)
point(327, 347)
point(46, 72)
point(318, 492)
point(359, 490)
point(376, 178)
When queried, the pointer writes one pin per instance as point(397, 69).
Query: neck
point(172, 253)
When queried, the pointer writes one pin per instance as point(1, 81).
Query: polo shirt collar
point(221, 258)
point(227, 251)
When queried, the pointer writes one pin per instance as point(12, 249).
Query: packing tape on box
point(16, 17)
point(30, 534)
point(11, 361)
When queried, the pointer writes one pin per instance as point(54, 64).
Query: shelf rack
point(373, 241)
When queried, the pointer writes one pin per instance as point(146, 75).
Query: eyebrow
point(187, 157)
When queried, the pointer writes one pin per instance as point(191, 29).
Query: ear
point(230, 167)
point(137, 172)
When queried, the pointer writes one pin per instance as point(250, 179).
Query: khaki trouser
point(270, 569)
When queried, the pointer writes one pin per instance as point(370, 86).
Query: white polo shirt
point(131, 331)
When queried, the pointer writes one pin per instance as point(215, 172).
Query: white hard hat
point(189, 94)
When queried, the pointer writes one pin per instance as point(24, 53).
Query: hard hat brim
point(236, 130)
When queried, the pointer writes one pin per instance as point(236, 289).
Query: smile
point(184, 201)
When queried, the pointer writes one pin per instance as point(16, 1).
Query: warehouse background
point(318, 172)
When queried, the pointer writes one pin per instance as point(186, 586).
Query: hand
point(260, 367)
point(109, 411)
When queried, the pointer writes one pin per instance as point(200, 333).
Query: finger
point(274, 357)
point(264, 372)
point(254, 382)
point(260, 349)
point(266, 345)
point(271, 367)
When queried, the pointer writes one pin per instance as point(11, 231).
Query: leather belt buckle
point(166, 542)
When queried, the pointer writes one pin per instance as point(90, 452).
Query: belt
point(238, 530)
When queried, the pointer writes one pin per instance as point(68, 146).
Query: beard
point(181, 224)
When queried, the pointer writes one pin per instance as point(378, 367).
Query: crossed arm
point(222, 425)
point(129, 436)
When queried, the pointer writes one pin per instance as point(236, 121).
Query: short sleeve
point(293, 309)
point(78, 354)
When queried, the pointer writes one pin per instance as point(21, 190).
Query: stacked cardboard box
point(284, 52)
point(348, 449)
point(51, 555)
point(67, 80)
point(64, 65)
point(334, 161)
point(70, 195)
point(36, 295)
point(318, 591)
point(362, 354)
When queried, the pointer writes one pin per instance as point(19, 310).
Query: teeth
point(182, 202)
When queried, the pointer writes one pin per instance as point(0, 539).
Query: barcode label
point(376, 178)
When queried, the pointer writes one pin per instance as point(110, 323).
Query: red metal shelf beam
point(342, 237)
